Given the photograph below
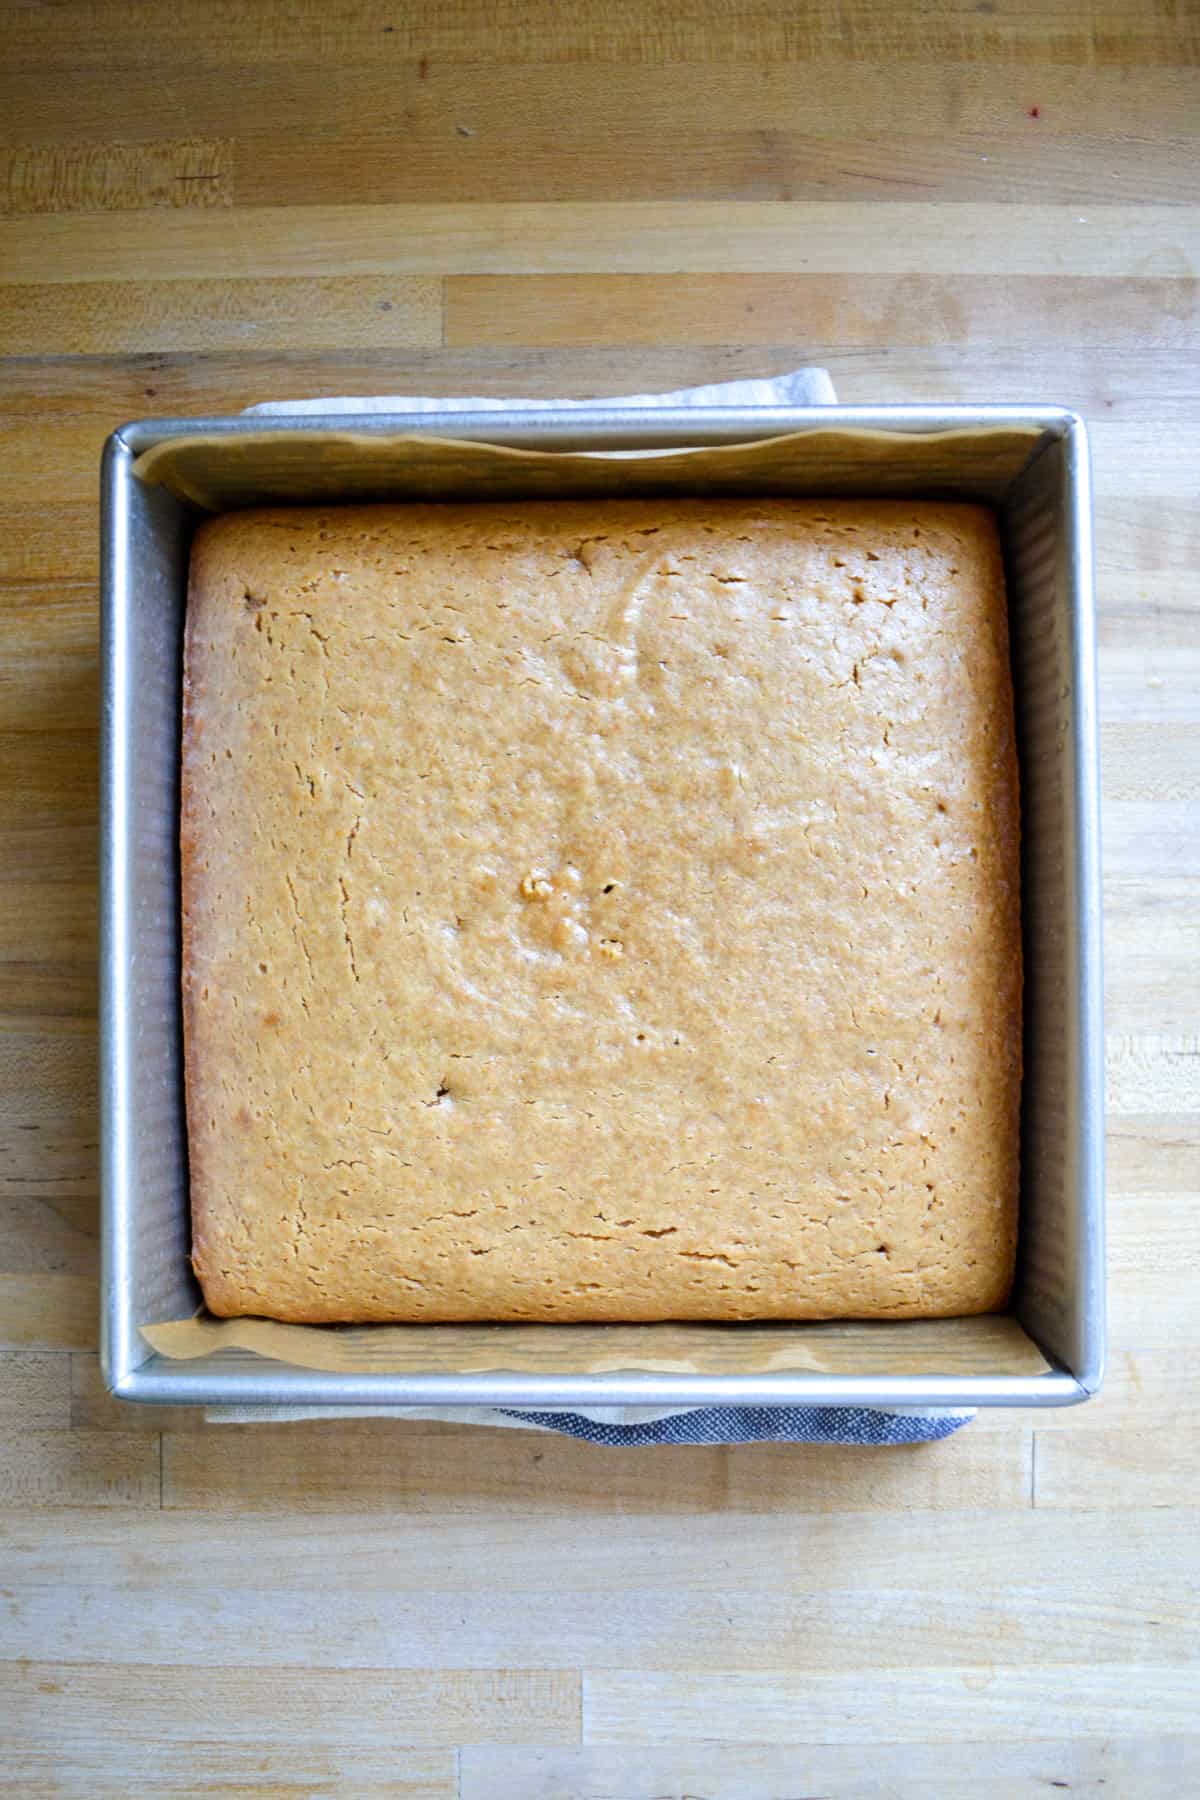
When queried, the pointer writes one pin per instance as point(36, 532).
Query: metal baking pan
point(1032, 463)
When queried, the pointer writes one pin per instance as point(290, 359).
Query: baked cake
point(601, 910)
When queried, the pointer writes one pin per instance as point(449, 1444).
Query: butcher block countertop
point(207, 205)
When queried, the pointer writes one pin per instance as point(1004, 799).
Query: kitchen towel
point(618, 1426)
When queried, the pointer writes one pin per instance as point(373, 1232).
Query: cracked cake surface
point(601, 910)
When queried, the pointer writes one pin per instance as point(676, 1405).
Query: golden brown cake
point(601, 910)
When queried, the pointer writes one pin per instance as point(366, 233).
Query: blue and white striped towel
point(632, 1426)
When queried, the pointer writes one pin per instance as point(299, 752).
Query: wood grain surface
point(206, 205)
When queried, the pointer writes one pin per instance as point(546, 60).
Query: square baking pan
point(160, 477)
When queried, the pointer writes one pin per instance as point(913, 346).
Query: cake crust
point(601, 911)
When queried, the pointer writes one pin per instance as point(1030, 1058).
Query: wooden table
point(208, 205)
